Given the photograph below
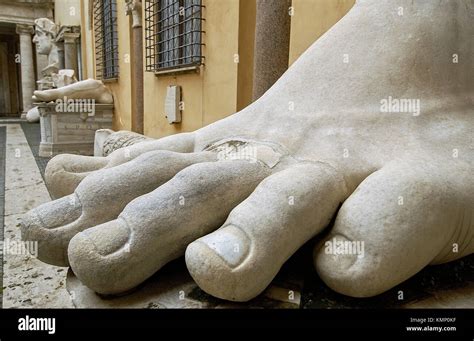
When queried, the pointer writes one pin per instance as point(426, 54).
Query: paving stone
point(27, 281)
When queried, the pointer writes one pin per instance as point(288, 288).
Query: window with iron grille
point(106, 39)
point(173, 34)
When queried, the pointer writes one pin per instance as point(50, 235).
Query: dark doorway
point(10, 103)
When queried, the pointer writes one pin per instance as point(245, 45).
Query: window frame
point(106, 39)
point(174, 43)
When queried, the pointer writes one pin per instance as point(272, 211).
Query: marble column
point(26, 65)
point(60, 45)
point(134, 8)
point(272, 44)
point(70, 51)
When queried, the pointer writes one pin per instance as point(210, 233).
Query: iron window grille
point(173, 34)
point(106, 39)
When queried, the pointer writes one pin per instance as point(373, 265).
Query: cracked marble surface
point(29, 283)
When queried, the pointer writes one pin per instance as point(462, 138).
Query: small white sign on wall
point(172, 108)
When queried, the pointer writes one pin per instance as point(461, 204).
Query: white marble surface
point(29, 283)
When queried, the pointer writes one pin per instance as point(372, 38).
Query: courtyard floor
point(29, 283)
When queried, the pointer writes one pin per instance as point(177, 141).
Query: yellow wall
point(222, 86)
point(311, 19)
point(220, 71)
point(121, 87)
point(67, 12)
point(210, 94)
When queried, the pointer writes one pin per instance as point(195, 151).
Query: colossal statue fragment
point(377, 115)
point(45, 35)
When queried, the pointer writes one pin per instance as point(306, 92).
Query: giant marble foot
point(240, 196)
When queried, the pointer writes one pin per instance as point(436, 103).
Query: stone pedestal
point(27, 66)
point(71, 132)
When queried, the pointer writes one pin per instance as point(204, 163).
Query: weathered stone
point(120, 139)
point(45, 34)
point(70, 128)
point(100, 137)
point(70, 50)
point(376, 115)
point(33, 115)
point(63, 77)
point(55, 223)
point(89, 89)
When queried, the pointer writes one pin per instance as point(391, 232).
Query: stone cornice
point(26, 11)
point(70, 37)
point(68, 32)
point(24, 29)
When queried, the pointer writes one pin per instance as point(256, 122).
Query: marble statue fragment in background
point(46, 38)
point(88, 89)
point(45, 35)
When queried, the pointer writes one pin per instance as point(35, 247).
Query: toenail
point(342, 251)
point(230, 243)
point(107, 238)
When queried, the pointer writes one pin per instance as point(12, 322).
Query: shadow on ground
point(298, 275)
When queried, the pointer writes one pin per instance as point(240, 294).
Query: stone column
point(26, 65)
point(134, 8)
point(60, 45)
point(70, 51)
point(272, 44)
